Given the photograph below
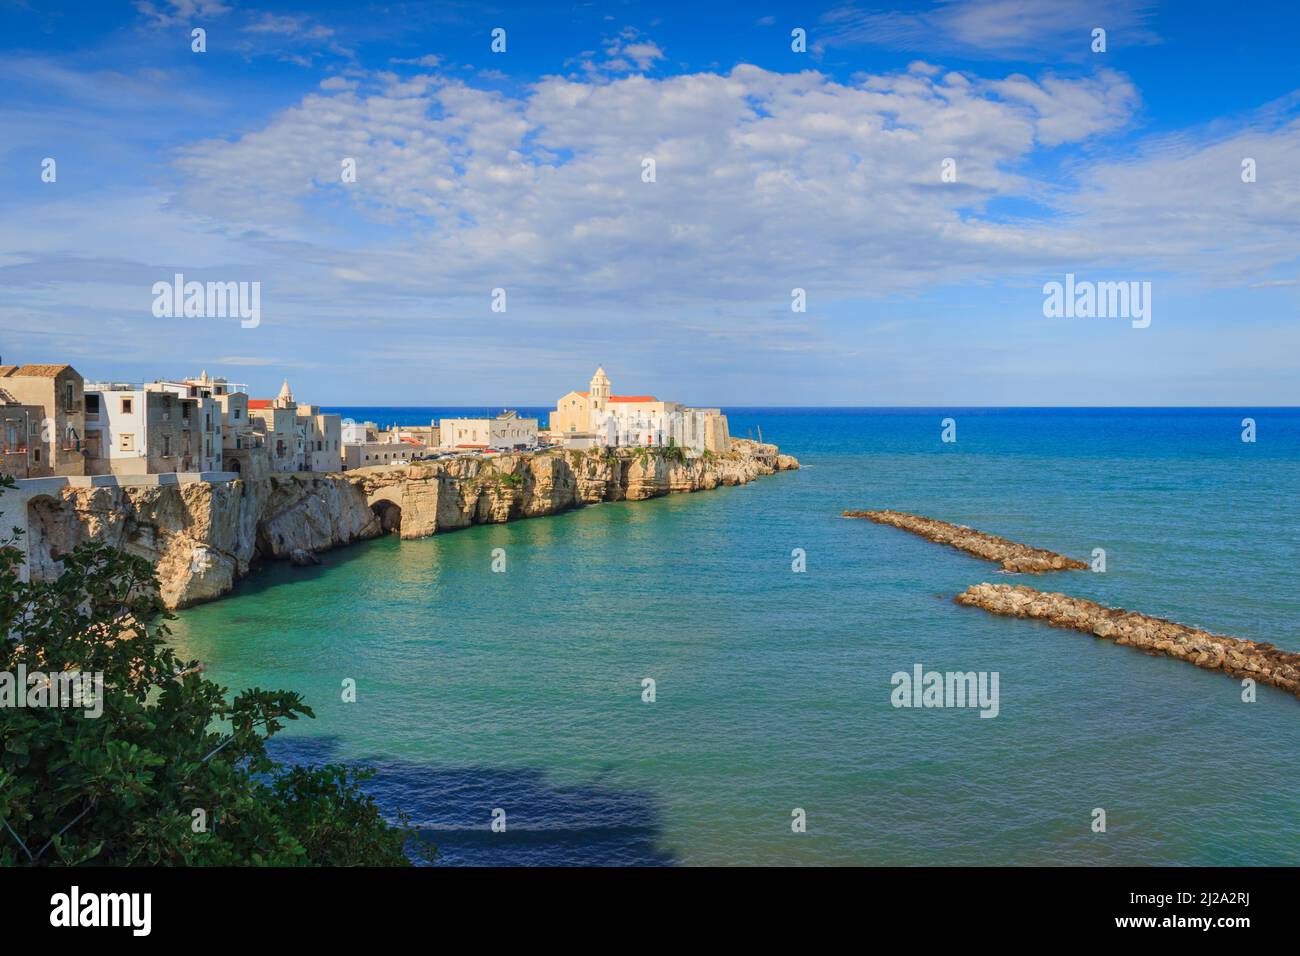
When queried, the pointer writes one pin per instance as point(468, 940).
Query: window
point(127, 442)
point(127, 407)
point(167, 446)
point(69, 394)
point(38, 456)
point(237, 413)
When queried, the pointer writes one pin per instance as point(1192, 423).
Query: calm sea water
point(523, 691)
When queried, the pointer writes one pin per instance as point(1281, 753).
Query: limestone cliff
point(202, 537)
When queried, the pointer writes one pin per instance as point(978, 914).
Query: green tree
point(171, 772)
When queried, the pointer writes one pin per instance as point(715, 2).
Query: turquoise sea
point(522, 691)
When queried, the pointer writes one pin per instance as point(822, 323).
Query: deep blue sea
point(521, 691)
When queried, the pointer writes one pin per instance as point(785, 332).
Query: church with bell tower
point(599, 418)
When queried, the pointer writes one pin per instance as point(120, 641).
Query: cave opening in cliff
point(389, 514)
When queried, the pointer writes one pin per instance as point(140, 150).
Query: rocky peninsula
point(1011, 555)
point(1240, 658)
point(203, 536)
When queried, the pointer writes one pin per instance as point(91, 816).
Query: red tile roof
point(35, 371)
point(625, 398)
point(260, 402)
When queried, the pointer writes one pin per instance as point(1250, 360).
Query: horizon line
point(509, 406)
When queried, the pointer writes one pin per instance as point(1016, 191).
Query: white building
point(141, 431)
point(505, 432)
point(365, 444)
point(321, 438)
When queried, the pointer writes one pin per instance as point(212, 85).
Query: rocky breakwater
point(202, 537)
point(1011, 555)
point(1240, 658)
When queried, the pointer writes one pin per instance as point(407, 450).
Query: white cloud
point(763, 178)
point(1029, 29)
point(765, 181)
point(167, 13)
point(335, 83)
point(301, 27)
point(628, 52)
point(293, 38)
point(429, 61)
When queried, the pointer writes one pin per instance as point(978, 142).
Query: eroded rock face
point(202, 537)
point(1240, 658)
point(312, 513)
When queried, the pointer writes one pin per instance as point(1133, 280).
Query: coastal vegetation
point(115, 752)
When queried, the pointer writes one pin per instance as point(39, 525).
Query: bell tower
point(599, 391)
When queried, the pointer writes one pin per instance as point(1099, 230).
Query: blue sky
point(775, 170)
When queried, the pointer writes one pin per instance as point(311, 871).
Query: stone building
point(297, 437)
point(20, 436)
point(242, 449)
point(207, 438)
point(58, 445)
point(276, 422)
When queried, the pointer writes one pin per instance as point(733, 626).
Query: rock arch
point(387, 509)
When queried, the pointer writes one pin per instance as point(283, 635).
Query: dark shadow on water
point(268, 573)
point(587, 824)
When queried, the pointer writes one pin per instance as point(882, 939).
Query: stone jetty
point(1012, 556)
point(1240, 658)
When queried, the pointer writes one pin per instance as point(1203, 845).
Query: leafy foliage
point(169, 751)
